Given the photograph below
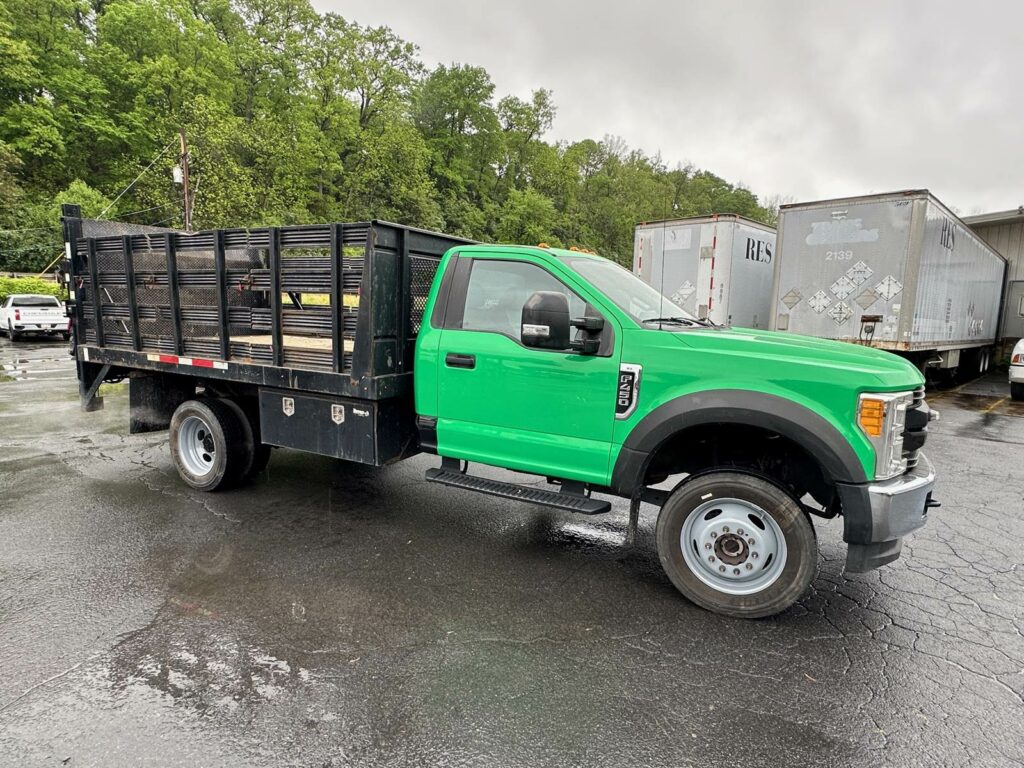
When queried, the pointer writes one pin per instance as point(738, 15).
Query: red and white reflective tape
point(197, 362)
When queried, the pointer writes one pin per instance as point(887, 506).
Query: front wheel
point(737, 544)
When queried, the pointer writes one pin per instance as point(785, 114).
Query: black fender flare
point(735, 406)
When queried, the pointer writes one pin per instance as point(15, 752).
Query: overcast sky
point(802, 99)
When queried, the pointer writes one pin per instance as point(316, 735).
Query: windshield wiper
point(681, 321)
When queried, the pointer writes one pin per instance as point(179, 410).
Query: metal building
point(1004, 231)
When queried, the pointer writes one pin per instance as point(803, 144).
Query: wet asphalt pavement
point(330, 615)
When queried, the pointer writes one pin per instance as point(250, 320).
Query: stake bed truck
point(372, 342)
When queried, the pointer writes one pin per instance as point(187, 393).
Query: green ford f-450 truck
point(372, 342)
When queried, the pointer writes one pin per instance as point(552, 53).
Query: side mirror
point(546, 321)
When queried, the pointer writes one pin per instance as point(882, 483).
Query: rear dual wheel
point(737, 544)
point(214, 444)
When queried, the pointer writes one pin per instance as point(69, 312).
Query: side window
point(497, 291)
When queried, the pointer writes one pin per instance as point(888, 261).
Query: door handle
point(456, 360)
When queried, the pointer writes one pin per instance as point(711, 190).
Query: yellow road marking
point(995, 405)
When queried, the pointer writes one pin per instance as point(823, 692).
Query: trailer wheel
point(257, 455)
point(208, 444)
point(737, 544)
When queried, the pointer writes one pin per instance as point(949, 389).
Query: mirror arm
point(588, 323)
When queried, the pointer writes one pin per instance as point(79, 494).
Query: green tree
point(296, 116)
point(526, 217)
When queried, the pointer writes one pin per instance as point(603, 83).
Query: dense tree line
point(294, 117)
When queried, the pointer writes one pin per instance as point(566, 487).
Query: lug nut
point(721, 568)
point(754, 555)
point(707, 545)
point(711, 559)
point(725, 529)
point(750, 541)
point(735, 571)
point(714, 535)
point(739, 531)
point(750, 566)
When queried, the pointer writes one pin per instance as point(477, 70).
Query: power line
point(162, 153)
point(28, 229)
point(144, 210)
point(39, 247)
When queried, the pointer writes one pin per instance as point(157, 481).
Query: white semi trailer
point(718, 267)
point(895, 271)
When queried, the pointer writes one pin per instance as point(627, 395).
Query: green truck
point(539, 360)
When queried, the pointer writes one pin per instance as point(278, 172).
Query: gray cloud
point(803, 99)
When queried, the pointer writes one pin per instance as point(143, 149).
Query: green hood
point(871, 368)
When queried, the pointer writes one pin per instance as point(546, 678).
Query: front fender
point(735, 406)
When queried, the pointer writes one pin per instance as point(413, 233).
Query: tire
point(11, 334)
point(1016, 391)
point(744, 580)
point(256, 454)
point(208, 444)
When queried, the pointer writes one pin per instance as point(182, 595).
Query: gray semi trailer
point(895, 271)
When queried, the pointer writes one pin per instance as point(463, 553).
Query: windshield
point(630, 294)
point(35, 301)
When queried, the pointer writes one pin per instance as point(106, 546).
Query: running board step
point(569, 501)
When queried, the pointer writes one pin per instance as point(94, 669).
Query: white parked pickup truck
point(1017, 371)
point(24, 313)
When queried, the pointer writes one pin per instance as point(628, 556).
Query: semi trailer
point(896, 271)
point(372, 342)
point(719, 266)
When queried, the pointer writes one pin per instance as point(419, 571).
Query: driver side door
point(543, 411)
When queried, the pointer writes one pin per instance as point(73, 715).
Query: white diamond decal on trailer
point(840, 313)
point(819, 302)
point(889, 287)
point(684, 292)
point(842, 287)
point(859, 272)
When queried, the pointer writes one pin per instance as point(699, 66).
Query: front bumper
point(1017, 374)
point(878, 515)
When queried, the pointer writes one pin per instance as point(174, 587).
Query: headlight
point(882, 418)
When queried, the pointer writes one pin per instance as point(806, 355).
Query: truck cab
point(565, 365)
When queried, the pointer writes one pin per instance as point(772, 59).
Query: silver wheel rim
point(733, 546)
point(196, 446)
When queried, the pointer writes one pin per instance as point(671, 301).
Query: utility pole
point(183, 160)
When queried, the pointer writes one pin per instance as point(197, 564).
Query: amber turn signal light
point(872, 416)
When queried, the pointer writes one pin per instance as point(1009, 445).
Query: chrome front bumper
point(885, 512)
point(900, 505)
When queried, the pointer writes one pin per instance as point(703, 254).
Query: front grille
point(916, 428)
